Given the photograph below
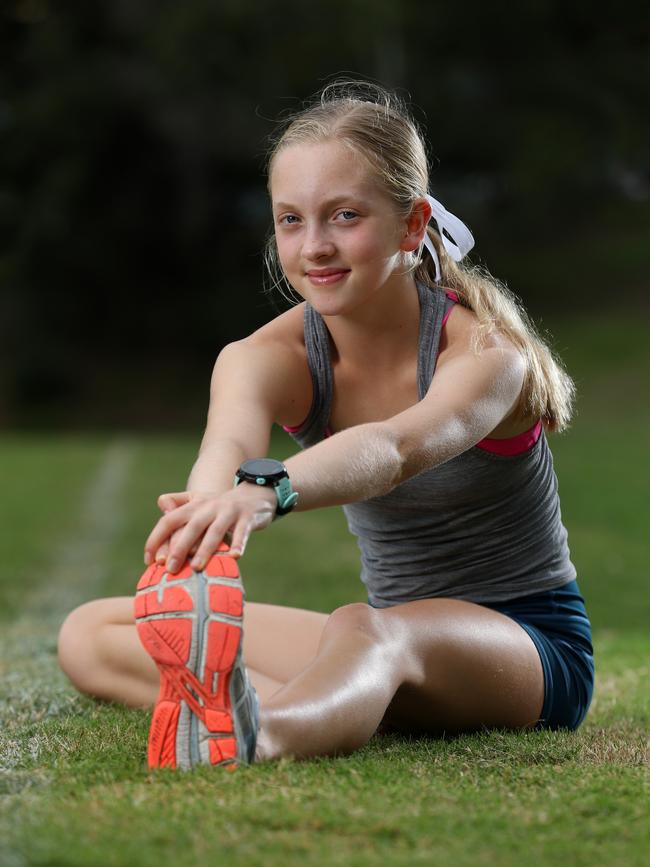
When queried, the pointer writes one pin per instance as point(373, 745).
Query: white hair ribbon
point(460, 242)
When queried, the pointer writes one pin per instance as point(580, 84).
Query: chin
point(335, 307)
point(327, 306)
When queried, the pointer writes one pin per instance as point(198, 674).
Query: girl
point(420, 395)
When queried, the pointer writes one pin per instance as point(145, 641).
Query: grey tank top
point(482, 526)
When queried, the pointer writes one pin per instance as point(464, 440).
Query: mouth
point(326, 276)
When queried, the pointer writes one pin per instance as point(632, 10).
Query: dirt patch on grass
point(622, 744)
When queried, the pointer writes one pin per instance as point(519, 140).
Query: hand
point(167, 502)
point(204, 519)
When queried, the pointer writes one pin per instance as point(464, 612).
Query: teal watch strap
point(271, 474)
point(287, 497)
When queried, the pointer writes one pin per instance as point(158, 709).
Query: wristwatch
point(270, 474)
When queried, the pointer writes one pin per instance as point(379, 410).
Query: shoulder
point(278, 346)
point(463, 335)
point(488, 360)
point(285, 331)
point(271, 363)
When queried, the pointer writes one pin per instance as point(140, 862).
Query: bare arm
point(239, 418)
point(254, 382)
point(469, 396)
point(237, 427)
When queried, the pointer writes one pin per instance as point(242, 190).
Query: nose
point(317, 244)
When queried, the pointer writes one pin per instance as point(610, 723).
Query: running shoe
point(190, 623)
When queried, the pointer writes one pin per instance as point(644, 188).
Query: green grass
point(74, 788)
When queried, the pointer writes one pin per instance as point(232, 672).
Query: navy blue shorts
point(558, 624)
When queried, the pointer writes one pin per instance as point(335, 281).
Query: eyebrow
point(328, 203)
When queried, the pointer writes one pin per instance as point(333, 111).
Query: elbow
point(382, 460)
point(416, 454)
point(398, 467)
point(395, 457)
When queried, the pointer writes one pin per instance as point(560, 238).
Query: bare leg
point(326, 684)
point(427, 666)
point(101, 653)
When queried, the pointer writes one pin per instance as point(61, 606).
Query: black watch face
point(264, 467)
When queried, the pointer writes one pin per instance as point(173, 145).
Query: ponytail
point(548, 391)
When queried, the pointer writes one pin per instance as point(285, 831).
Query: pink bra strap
point(452, 297)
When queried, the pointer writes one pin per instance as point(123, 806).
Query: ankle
point(266, 749)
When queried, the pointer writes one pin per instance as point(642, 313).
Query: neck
point(379, 334)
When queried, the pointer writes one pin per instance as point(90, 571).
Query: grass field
point(74, 787)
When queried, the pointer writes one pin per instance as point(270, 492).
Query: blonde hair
point(376, 124)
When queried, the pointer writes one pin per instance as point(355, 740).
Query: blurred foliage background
point(133, 204)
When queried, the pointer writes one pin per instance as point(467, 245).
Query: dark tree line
point(132, 194)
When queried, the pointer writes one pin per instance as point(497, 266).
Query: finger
point(215, 534)
point(167, 502)
point(240, 534)
point(164, 548)
point(164, 529)
point(162, 552)
point(243, 529)
point(191, 534)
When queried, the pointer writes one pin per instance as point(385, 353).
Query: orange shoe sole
point(190, 623)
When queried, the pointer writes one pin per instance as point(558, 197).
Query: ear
point(416, 225)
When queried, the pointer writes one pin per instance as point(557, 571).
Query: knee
point(75, 644)
point(388, 632)
point(356, 617)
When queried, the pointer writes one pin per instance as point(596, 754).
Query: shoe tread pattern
point(194, 637)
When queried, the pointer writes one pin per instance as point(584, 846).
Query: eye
point(347, 216)
point(288, 220)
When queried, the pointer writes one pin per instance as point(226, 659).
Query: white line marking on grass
point(80, 564)
point(33, 687)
